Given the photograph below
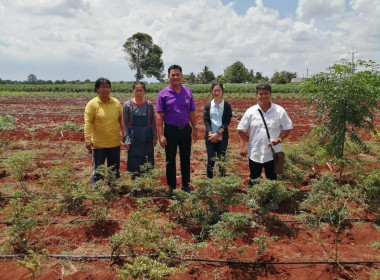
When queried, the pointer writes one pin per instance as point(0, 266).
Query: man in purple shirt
point(175, 111)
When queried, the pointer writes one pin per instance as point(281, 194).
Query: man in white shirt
point(259, 146)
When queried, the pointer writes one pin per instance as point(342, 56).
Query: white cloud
point(315, 8)
point(87, 35)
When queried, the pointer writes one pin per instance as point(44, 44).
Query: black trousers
point(177, 137)
point(256, 168)
point(218, 150)
point(99, 157)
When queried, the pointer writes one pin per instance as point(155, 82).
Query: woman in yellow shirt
point(103, 122)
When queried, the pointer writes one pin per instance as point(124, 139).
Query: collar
point(270, 108)
point(221, 105)
point(172, 90)
point(100, 101)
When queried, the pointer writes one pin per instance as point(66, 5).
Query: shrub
point(267, 194)
point(7, 122)
point(227, 229)
point(329, 203)
point(19, 164)
point(204, 206)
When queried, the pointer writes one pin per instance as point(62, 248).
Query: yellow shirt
point(101, 123)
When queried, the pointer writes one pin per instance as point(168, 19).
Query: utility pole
point(352, 60)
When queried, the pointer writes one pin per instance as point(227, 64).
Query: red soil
point(297, 243)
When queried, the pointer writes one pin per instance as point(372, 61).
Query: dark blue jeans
point(256, 168)
point(99, 157)
point(218, 150)
point(177, 138)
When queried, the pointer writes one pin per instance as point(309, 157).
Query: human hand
point(195, 134)
point(275, 141)
point(154, 142)
point(243, 151)
point(213, 137)
point(163, 141)
point(89, 147)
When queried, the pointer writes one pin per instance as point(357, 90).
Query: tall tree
point(206, 76)
point(144, 56)
point(32, 79)
point(236, 73)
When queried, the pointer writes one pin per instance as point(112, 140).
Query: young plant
point(263, 242)
point(204, 206)
point(143, 267)
point(143, 233)
point(74, 195)
point(7, 122)
point(148, 181)
point(23, 217)
point(229, 227)
point(19, 164)
point(346, 101)
point(33, 262)
point(266, 195)
point(69, 126)
point(329, 203)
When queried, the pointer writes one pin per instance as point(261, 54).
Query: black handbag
point(278, 157)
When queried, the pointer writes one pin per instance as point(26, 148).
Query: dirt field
point(36, 129)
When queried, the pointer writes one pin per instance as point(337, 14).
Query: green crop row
point(118, 87)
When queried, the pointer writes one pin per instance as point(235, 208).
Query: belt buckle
point(181, 127)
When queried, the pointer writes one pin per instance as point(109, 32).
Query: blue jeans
point(99, 157)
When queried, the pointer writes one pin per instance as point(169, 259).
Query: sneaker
point(187, 189)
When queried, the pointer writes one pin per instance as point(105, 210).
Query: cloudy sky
point(82, 39)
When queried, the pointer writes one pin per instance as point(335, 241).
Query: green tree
point(282, 77)
point(144, 56)
point(192, 78)
point(236, 73)
point(206, 76)
point(32, 79)
point(346, 103)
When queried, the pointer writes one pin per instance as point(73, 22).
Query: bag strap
point(266, 128)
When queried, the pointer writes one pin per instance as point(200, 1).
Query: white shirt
point(277, 120)
point(216, 114)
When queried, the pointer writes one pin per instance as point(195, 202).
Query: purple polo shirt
point(176, 107)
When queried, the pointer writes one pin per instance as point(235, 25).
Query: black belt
point(176, 126)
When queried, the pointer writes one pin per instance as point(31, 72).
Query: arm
point(286, 125)
point(160, 129)
point(153, 124)
point(126, 120)
point(243, 142)
point(88, 126)
point(212, 137)
point(227, 115)
point(193, 121)
point(206, 118)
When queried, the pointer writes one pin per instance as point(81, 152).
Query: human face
point(175, 77)
point(104, 91)
point(263, 97)
point(139, 92)
point(217, 92)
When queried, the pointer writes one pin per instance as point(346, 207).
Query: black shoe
point(187, 189)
